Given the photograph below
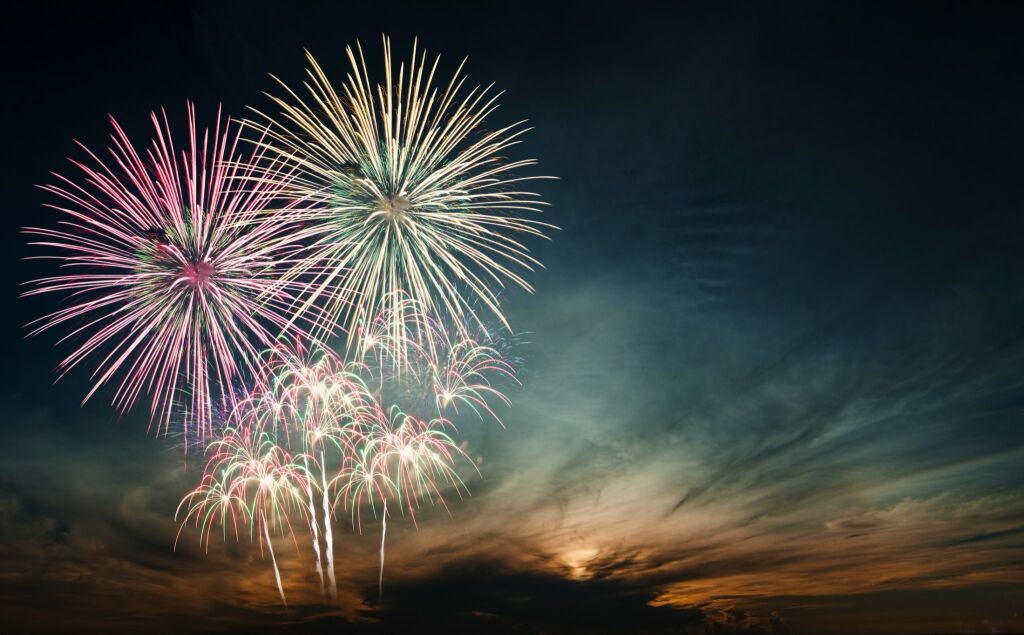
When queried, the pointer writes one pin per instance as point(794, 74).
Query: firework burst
point(206, 280)
point(402, 458)
point(407, 191)
point(172, 269)
point(248, 477)
point(319, 403)
point(418, 356)
point(466, 375)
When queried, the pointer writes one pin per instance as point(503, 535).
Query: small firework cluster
point(305, 297)
point(313, 438)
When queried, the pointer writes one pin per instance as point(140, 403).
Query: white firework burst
point(409, 193)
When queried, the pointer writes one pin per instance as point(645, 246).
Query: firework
point(408, 349)
point(317, 402)
point(252, 478)
point(406, 191)
point(466, 376)
point(213, 502)
point(396, 338)
point(403, 458)
point(386, 211)
point(262, 474)
point(172, 269)
point(312, 429)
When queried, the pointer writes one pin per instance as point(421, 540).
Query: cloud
point(699, 485)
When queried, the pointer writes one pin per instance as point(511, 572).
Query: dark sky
point(775, 377)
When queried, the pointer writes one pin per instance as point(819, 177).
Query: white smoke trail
point(383, 535)
point(328, 536)
point(314, 527)
point(273, 560)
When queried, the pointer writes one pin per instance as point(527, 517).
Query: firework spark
point(466, 376)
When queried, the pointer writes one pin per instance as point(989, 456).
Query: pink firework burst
point(171, 269)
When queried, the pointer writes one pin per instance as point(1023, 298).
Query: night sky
point(774, 377)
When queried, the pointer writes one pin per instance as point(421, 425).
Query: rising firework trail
point(406, 190)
